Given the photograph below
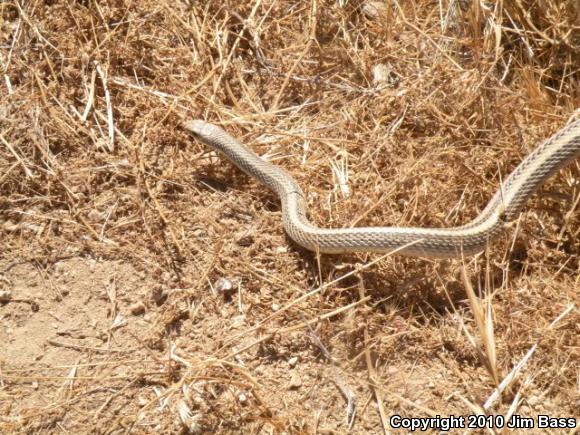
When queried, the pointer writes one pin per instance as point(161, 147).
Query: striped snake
point(455, 242)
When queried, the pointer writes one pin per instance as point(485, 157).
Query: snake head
point(200, 128)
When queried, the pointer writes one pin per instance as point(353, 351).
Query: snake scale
point(465, 240)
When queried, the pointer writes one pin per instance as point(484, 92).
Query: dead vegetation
point(387, 113)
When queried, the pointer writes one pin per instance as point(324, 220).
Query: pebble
point(223, 285)
point(374, 9)
point(137, 308)
point(295, 381)
point(158, 295)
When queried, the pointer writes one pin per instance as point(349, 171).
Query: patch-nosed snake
point(465, 240)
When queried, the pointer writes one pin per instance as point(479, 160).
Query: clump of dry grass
point(402, 113)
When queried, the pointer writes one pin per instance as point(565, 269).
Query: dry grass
point(387, 113)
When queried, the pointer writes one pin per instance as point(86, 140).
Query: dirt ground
point(147, 285)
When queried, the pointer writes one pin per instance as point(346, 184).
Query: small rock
point(243, 399)
point(60, 267)
point(295, 381)
point(142, 401)
point(293, 361)
point(275, 307)
point(137, 308)
point(244, 239)
point(118, 322)
point(158, 295)
point(382, 74)
point(5, 295)
point(374, 9)
point(223, 285)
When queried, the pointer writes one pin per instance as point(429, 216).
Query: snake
point(437, 243)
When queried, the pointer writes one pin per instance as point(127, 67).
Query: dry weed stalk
point(483, 316)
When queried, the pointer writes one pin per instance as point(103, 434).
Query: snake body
point(465, 240)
